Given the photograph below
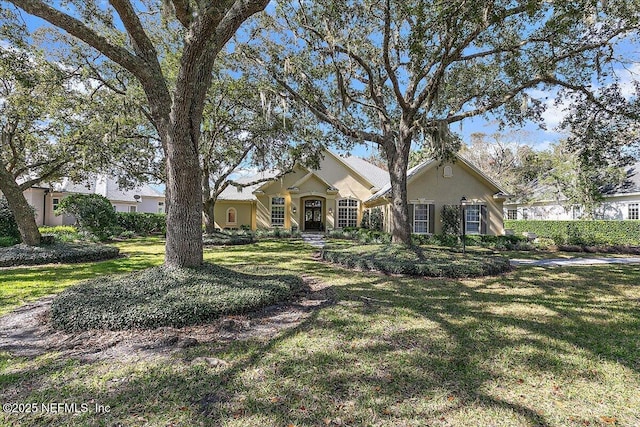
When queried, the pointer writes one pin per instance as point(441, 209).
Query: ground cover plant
point(55, 253)
point(222, 238)
point(162, 296)
point(537, 346)
point(416, 261)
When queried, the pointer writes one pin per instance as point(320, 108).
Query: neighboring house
point(337, 194)
point(45, 199)
point(620, 202)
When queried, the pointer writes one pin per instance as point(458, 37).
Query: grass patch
point(19, 285)
point(535, 347)
point(416, 261)
point(161, 296)
point(56, 253)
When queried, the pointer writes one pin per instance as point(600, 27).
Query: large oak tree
point(399, 72)
point(121, 31)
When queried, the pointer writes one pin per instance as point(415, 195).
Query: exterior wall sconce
point(294, 209)
point(330, 211)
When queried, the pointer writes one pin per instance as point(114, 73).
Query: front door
point(313, 215)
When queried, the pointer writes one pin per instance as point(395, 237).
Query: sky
point(531, 134)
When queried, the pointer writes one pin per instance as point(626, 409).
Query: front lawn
point(534, 347)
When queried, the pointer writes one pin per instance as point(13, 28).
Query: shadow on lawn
point(392, 350)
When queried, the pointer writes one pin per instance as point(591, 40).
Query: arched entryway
point(313, 214)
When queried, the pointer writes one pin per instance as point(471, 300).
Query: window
point(133, 208)
point(472, 219)
point(420, 219)
point(525, 213)
point(576, 212)
point(55, 202)
point(347, 213)
point(448, 172)
point(634, 212)
point(232, 216)
point(160, 207)
point(277, 211)
point(512, 214)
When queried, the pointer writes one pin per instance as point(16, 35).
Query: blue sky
point(531, 134)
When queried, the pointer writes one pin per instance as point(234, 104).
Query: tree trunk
point(22, 210)
point(398, 160)
point(184, 199)
point(209, 219)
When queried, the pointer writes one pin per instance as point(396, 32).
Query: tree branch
point(79, 30)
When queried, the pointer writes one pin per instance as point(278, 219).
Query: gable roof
point(246, 193)
point(428, 164)
point(371, 173)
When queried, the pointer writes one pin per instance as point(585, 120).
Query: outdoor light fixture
point(463, 203)
point(294, 209)
point(330, 211)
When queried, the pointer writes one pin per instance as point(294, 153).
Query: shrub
point(61, 233)
point(222, 238)
point(451, 220)
point(55, 253)
point(581, 232)
point(8, 241)
point(8, 226)
point(93, 213)
point(276, 232)
point(142, 224)
point(166, 297)
point(421, 262)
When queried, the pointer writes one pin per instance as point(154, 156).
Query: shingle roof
point(372, 173)
point(245, 193)
point(630, 185)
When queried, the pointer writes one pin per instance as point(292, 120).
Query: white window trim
point(235, 215)
point(134, 207)
point(466, 221)
point(284, 211)
point(355, 208)
point(635, 206)
point(426, 205)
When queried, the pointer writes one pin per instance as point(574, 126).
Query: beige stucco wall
point(244, 214)
point(312, 185)
point(430, 186)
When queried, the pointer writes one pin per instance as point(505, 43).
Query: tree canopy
point(400, 72)
point(123, 32)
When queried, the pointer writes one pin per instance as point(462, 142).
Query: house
point(620, 202)
point(45, 198)
point(337, 194)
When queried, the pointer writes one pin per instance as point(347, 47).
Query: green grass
point(535, 347)
point(19, 285)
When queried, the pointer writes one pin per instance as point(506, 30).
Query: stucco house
point(620, 202)
point(45, 198)
point(342, 188)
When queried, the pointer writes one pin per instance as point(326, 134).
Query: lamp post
point(463, 203)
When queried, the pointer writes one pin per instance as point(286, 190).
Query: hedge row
point(395, 259)
point(142, 223)
point(580, 232)
point(55, 253)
